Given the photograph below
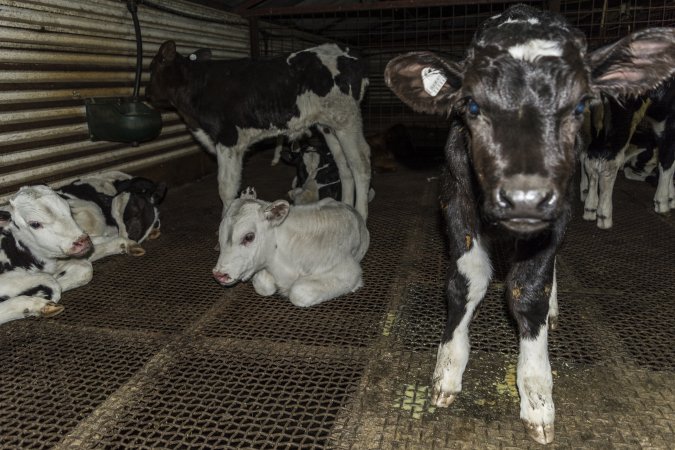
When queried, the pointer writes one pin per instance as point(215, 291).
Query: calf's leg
point(607, 178)
point(530, 291)
point(468, 282)
point(27, 306)
point(230, 161)
point(583, 186)
point(591, 202)
point(664, 199)
point(73, 273)
point(318, 288)
point(264, 283)
point(357, 153)
point(109, 246)
point(346, 177)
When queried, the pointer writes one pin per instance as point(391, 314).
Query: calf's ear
point(424, 81)
point(635, 64)
point(168, 51)
point(276, 212)
point(159, 194)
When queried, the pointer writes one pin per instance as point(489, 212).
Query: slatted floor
point(154, 354)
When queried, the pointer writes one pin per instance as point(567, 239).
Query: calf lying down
point(308, 253)
point(118, 211)
point(42, 252)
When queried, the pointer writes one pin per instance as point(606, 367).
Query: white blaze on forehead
point(535, 48)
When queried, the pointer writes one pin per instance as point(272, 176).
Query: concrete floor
point(154, 354)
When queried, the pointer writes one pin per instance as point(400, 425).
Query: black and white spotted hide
point(515, 105)
point(42, 254)
point(317, 175)
point(117, 210)
point(231, 104)
point(654, 143)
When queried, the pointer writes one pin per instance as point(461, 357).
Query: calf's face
point(42, 220)
point(247, 238)
point(168, 73)
point(520, 94)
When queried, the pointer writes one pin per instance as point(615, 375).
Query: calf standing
point(229, 105)
point(613, 123)
point(515, 106)
point(308, 253)
point(39, 241)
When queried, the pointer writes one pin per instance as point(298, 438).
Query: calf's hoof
point(553, 323)
point(604, 223)
point(662, 207)
point(590, 214)
point(51, 309)
point(541, 433)
point(136, 250)
point(444, 399)
point(154, 234)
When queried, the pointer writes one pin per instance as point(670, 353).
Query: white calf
point(309, 253)
point(37, 232)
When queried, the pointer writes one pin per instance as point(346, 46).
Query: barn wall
point(56, 53)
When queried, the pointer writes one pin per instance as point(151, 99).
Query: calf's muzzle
point(525, 203)
point(222, 278)
point(81, 246)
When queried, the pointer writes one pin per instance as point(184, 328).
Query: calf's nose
point(81, 246)
point(526, 196)
point(221, 278)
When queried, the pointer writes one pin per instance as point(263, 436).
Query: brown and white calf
point(515, 105)
point(230, 104)
point(42, 254)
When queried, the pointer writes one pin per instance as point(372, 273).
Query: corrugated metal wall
point(56, 53)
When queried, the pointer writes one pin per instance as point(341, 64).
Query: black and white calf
point(230, 105)
point(515, 105)
point(659, 124)
point(118, 211)
point(42, 253)
point(317, 175)
point(612, 124)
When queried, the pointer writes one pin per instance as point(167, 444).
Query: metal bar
point(254, 34)
point(394, 4)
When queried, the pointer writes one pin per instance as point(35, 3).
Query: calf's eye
point(580, 108)
point(35, 225)
point(248, 238)
point(472, 107)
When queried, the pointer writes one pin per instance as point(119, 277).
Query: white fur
point(205, 140)
point(51, 244)
point(535, 48)
point(310, 255)
point(453, 355)
point(535, 384)
point(664, 199)
point(553, 300)
point(601, 175)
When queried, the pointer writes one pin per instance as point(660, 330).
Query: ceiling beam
point(246, 5)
